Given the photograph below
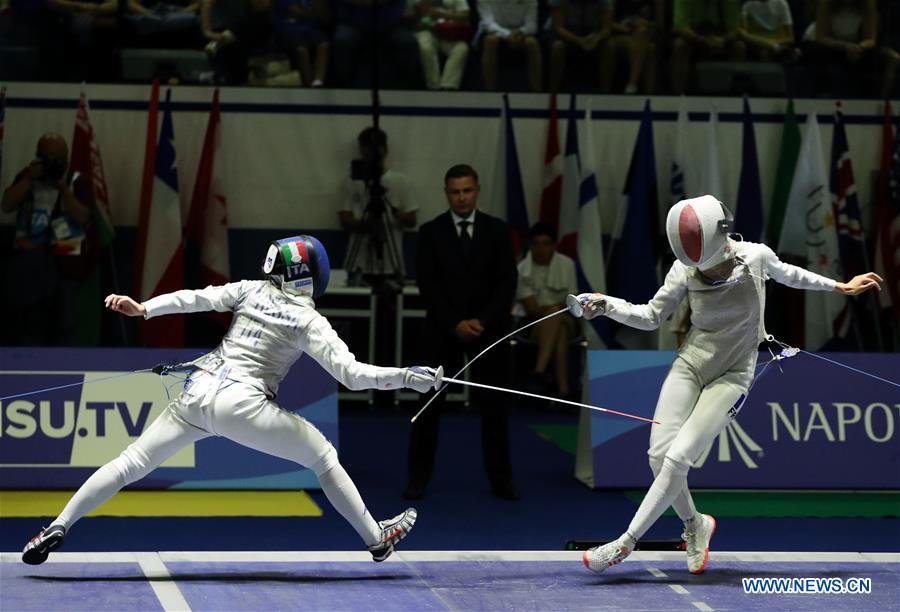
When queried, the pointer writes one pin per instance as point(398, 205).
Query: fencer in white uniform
point(230, 391)
point(724, 283)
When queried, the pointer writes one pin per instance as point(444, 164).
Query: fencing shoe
point(696, 542)
point(38, 548)
point(599, 558)
point(392, 531)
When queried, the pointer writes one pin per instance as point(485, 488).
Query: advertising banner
point(809, 425)
point(91, 407)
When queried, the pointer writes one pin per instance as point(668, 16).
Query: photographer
point(52, 209)
point(376, 223)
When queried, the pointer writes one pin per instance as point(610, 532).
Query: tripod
point(376, 235)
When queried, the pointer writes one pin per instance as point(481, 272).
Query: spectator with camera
point(53, 210)
point(445, 31)
point(377, 208)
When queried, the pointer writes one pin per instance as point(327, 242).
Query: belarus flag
point(161, 258)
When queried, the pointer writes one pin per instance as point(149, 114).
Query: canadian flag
point(207, 228)
point(160, 243)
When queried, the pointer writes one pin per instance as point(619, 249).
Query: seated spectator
point(705, 30)
point(841, 42)
point(89, 40)
point(53, 209)
point(299, 33)
point(234, 29)
point(636, 26)
point(890, 47)
point(358, 28)
point(843, 29)
point(577, 26)
point(767, 30)
point(445, 31)
point(545, 279)
point(169, 24)
point(512, 24)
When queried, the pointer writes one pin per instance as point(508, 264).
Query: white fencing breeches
point(690, 417)
point(209, 406)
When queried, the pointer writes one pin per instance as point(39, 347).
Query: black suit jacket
point(455, 289)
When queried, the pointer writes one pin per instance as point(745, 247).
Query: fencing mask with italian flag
point(298, 265)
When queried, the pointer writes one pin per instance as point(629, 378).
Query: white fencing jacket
point(269, 332)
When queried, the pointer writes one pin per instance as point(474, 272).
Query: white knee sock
point(670, 481)
point(683, 502)
point(345, 498)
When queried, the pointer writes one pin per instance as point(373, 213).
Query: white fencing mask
point(698, 231)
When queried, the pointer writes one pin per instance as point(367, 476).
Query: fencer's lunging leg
point(670, 482)
point(683, 504)
point(163, 438)
point(345, 497)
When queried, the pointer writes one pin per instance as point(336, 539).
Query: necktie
point(465, 240)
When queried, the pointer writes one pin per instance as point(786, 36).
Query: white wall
point(285, 152)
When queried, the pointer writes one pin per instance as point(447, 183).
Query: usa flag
point(845, 203)
point(887, 252)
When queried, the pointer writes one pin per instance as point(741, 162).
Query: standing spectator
point(361, 29)
point(447, 31)
point(702, 29)
point(545, 279)
point(637, 23)
point(514, 24)
point(467, 277)
point(235, 29)
point(52, 208)
point(767, 29)
point(299, 32)
point(578, 26)
point(376, 239)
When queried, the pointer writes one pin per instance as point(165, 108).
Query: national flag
point(851, 243)
point(553, 172)
point(87, 161)
point(631, 272)
point(709, 179)
point(88, 164)
point(887, 215)
point(569, 211)
point(788, 153)
point(206, 235)
point(679, 182)
point(748, 220)
point(2, 123)
point(589, 264)
point(508, 195)
point(162, 259)
point(809, 231)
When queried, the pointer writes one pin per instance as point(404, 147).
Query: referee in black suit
point(467, 277)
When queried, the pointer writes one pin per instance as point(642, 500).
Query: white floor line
point(166, 590)
point(701, 606)
point(657, 572)
point(679, 589)
point(452, 555)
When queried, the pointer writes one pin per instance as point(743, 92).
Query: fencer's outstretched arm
point(650, 315)
point(323, 344)
point(799, 278)
point(222, 298)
